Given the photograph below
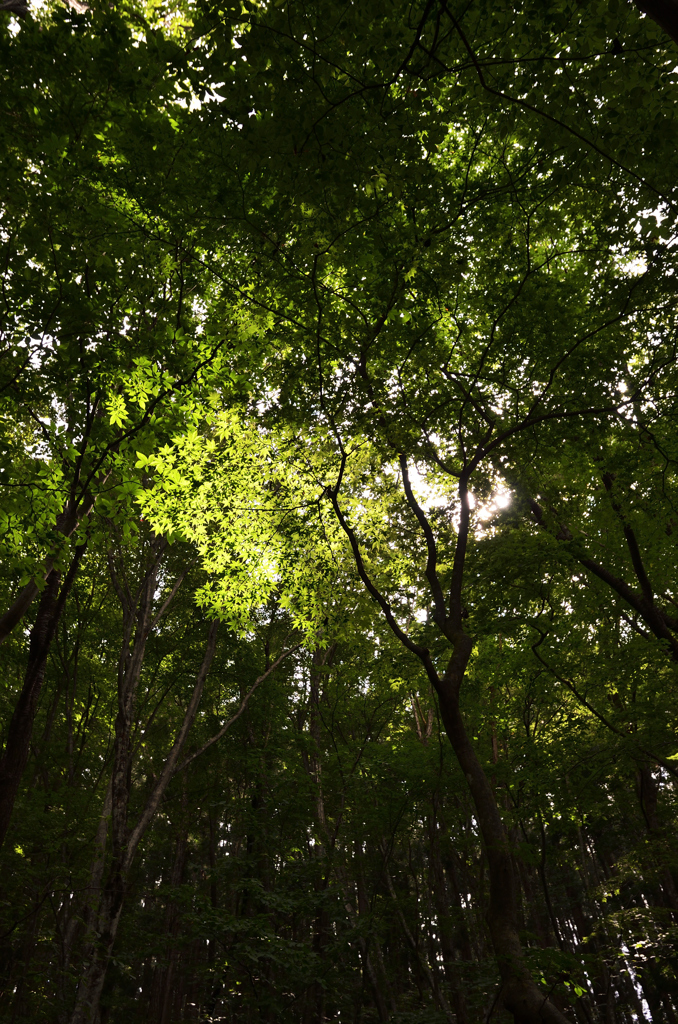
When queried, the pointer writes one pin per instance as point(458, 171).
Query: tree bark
point(438, 889)
point(110, 906)
point(172, 923)
point(124, 844)
point(519, 994)
point(648, 792)
point(426, 971)
point(67, 522)
point(17, 747)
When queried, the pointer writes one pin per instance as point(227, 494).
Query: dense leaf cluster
point(338, 420)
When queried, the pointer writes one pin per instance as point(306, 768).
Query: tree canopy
point(339, 429)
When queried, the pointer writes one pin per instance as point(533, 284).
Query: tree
point(395, 369)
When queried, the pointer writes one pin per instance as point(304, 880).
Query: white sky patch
point(635, 267)
point(499, 500)
point(429, 496)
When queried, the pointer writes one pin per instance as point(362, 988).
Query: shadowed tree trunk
point(138, 622)
point(17, 747)
point(124, 845)
point(166, 975)
point(519, 993)
point(441, 900)
point(648, 791)
point(73, 514)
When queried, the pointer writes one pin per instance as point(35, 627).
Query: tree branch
point(173, 756)
point(431, 561)
point(243, 704)
point(601, 718)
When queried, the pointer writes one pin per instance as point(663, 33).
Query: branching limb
point(173, 756)
point(243, 704)
point(431, 573)
point(421, 652)
point(648, 611)
point(597, 714)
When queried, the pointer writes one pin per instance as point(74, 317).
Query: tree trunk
point(171, 929)
point(426, 971)
point(437, 883)
point(124, 844)
point(129, 673)
point(519, 993)
point(648, 792)
point(66, 523)
point(17, 747)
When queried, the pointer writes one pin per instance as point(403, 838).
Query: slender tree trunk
point(314, 1005)
point(135, 612)
point(15, 754)
point(462, 936)
point(215, 984)
point(425, 969)
point(366, 960)
point(124, 845)
point(171, 929)
point(92, 894)
point(91, 986)
point(536, 916)
point(648, 791)
point(17, 747)
point(441, 901)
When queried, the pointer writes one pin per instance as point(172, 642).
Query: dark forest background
point(338, 512)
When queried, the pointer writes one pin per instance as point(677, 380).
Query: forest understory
point(338, 512)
